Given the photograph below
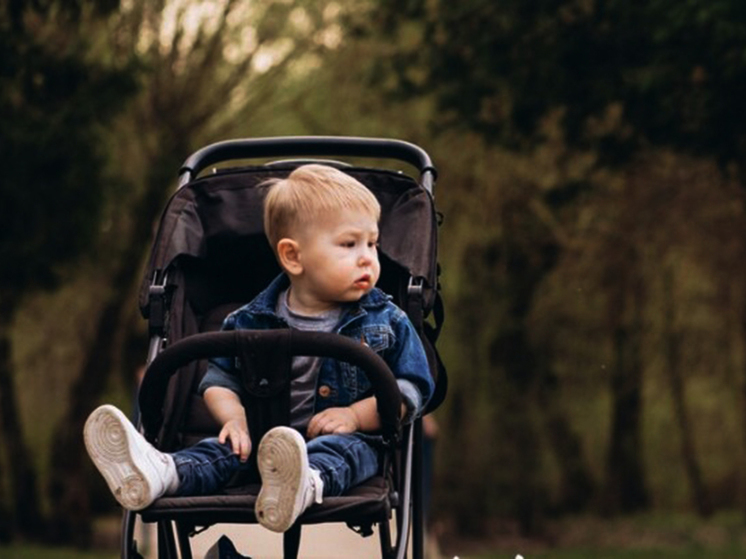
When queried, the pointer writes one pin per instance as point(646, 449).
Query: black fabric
point(369, 501)
point(437, 367)
point(218, 219)
point(265, 376)
point(265, 369)
point(430, 334)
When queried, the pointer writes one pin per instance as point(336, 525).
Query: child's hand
point(237, 432)
point(339, 421)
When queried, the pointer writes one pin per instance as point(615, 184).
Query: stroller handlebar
point(229, 344)
point(253, 148)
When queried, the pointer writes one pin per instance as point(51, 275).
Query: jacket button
point(324, 391)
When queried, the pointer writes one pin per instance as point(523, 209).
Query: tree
point(641, 227)
point(55, 95)
point(622, 76)
point(674, 69)
point(213, 69)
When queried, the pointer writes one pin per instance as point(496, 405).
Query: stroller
point(209, 257)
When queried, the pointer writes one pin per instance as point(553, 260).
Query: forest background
point(590, 158)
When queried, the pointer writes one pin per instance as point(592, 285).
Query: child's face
point(340, 263)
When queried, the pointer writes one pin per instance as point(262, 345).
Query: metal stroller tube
point(227, 344)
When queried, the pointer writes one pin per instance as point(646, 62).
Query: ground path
point(324, 541)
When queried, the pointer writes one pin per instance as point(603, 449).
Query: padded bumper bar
point(229, 344)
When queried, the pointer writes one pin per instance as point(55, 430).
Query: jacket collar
point(266, 301)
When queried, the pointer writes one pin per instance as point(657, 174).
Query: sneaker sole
point(282, 463)
point(109, 446)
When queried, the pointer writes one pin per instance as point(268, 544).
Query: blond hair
point(307, 194)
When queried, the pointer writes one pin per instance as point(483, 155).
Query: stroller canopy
point(218, 218)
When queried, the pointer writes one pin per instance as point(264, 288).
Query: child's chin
point(355, 295)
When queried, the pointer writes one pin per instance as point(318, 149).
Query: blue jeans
point(343, 461)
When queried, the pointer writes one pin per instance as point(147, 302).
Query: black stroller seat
point(209, 257)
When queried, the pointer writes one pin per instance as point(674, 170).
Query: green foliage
point(207, 71)
point(641, 536)
point(55, 97)
point(595, 87)
point(675, 68)
point(37, 552)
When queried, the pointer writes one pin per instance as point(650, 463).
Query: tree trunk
point(672, 342)
point(743, 414)
point(625, 489)
point(510, 352)
point(69, 484)
point(24, 507)
point(577, 484)
point(535, 388)
point(70, 520)
point(6, 519)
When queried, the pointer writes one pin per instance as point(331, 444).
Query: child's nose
point(367, 256)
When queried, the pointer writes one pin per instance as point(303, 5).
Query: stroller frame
point(404, 497)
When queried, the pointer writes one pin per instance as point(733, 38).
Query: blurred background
point(591, 178)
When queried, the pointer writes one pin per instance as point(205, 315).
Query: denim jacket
point(383, 326)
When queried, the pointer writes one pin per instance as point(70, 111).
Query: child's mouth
point(363, 282)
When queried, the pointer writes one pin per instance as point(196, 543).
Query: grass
point(622, 554)
point(22, 551)
point(105, 544)
point(651, 535)
point(679, 536)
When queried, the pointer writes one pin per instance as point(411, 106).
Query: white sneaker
point(289, 486)
point(135, 471)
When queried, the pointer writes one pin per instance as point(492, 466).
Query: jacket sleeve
point(216, 376)
point(407, 360)
point(220, 370)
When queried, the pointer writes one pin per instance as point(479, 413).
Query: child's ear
point(288, 253)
